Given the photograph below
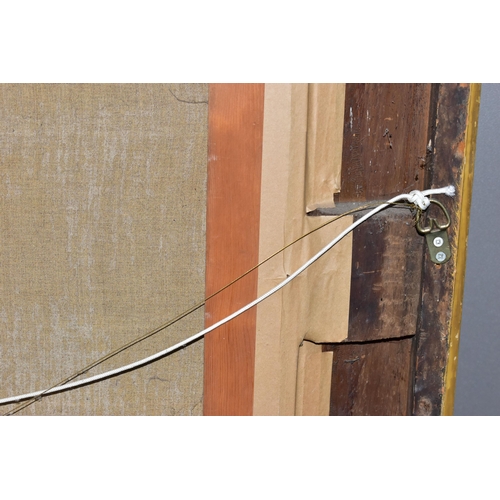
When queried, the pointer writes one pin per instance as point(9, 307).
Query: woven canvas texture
point(102, 238)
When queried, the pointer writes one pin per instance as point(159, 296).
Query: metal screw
point(438, 241)
point(440, 256)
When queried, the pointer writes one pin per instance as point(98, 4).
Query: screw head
point(438, 241)
point(440, 256)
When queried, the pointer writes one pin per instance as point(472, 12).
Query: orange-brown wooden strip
point(233, 213)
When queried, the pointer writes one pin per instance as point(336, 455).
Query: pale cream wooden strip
point(316, 305)
point(314, 379)
point(325, 125)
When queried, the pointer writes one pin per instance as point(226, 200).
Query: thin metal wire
point(171, 322)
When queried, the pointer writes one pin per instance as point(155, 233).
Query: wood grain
point(372, 378)
point(461, 248)
point(385, 140)
point(425, 132)
point(385, 152)
point(233, 213)
point(385, 280)
point(438, 281)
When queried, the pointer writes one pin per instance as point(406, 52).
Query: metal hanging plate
point(436, 235)
point(439, 246)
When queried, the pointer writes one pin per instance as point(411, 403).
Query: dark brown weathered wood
point(386, 151)
point(385, 278)
point(373, 378)
point(424, 128)
point(438, 280)
point(385, 140)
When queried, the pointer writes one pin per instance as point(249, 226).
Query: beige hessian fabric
point(102, 238)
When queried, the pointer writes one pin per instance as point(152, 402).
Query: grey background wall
point(478, 377)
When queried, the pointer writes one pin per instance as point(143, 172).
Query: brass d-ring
point(433, 222)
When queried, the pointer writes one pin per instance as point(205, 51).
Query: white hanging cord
point(418, 198)
point(172, 321)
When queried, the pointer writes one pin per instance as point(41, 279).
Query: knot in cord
point(419, 199)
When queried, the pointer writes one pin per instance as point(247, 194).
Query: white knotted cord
point(417, 198)
point(420, 198)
